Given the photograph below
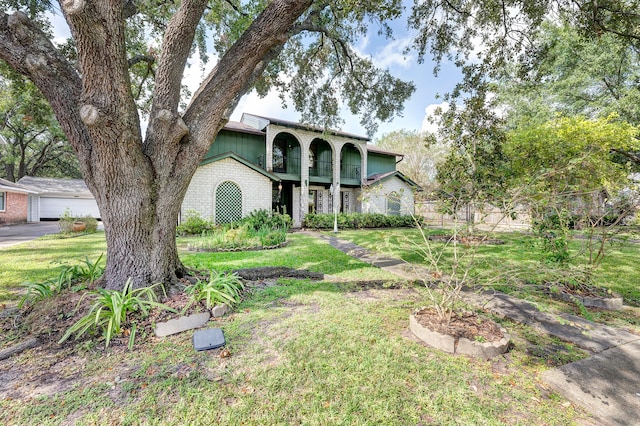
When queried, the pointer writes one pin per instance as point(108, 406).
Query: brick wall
point(15, 208)
point(256, 188)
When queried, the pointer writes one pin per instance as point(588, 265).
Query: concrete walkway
point(607, 384)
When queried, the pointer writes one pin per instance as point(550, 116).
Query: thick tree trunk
point(139, 184)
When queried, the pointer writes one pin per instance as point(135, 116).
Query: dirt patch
point(467, 239)
point(274, 272)
point(462, 324)
point(391, 295)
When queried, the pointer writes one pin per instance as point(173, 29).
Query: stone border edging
point(614, 303)
point(463, 346)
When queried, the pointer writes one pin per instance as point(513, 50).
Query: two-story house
point(266, 163)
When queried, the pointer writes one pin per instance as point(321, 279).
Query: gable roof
point(236, 126)
point(43, 185)
point(8, 186)
point(377, 150)
point(263, 122)
point(243, 161)
point(379, 177)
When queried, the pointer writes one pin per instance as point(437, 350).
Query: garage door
point(54, 207)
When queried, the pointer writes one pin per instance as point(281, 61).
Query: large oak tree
point(302, 47)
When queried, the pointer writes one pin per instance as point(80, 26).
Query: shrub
point(65, 223)
point(86, 271)
point(194, 224)
point(359, 221)
point(261, 218)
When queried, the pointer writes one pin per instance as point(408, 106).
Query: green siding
point(250, 147)
point(380, 163)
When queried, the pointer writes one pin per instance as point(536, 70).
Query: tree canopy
point(126, 59)
point(32, 141)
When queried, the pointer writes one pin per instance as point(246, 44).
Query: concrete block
point(181, 324)
point(219, 310)
point(432, 338)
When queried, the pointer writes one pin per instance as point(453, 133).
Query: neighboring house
point(266, 163)
point(51, 197)
point(14, 202)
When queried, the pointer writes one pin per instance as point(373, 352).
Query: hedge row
point(359, 221)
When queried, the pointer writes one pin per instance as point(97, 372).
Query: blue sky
point(385, 53)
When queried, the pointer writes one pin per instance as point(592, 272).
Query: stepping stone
point(181, 324)
point(210, 338)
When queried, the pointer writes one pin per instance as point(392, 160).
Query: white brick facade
point(256, 188)
point(376, 198)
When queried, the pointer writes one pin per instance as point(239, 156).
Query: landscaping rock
point(219, 310)
point(181, 324)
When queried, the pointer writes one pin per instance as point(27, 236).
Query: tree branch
point(176, 46)
point(26, 48)
point(631, 155)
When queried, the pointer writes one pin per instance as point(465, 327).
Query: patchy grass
point(518, 257)
point(299, 352)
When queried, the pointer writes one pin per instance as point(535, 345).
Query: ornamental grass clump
point(221, 288)
point(112, 310)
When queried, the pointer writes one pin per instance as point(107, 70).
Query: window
point(228, 202)
point(313, 200)
point(393, 204)
point(345, 206)
point(279, 160)
point(3, 197)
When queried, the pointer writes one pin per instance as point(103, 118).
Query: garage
point(54, 207)
point(53, 196)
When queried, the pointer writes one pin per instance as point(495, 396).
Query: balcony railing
point(350, 171)
point(291, 165)
point(321, 169)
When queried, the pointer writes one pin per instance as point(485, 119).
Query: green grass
point(38, 260)
point(302, 252)
point(302, 352)
point(518, 257)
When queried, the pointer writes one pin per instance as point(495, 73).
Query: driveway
point(16, 234)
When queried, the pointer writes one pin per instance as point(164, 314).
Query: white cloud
point(392, 54)
point(427, 124)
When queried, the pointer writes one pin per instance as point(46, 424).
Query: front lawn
point(300, 352)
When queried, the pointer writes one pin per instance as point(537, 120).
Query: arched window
point(228, 202)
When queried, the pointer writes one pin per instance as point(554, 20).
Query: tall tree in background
point(32, 141)
point(484, 39)
point(302, 47)
point(422, 152)
point(567, 73)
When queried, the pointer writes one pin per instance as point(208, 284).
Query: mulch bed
point(467, 239)
point(462, 324)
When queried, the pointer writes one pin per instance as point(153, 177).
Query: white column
point(305, 143)
point(268, 161)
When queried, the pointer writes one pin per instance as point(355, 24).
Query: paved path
point(16, 234)
point(607, 384)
